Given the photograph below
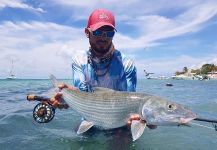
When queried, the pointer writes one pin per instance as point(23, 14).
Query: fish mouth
point(186, 120)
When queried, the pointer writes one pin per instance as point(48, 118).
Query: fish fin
point(53, 81)
point(101, 89)
point(137, 128)
point(84, 126)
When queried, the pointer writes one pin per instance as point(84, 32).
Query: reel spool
point(43, 113)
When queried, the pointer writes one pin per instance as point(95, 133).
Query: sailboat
point(11, 75)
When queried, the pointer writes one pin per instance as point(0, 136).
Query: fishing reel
point(43, 112)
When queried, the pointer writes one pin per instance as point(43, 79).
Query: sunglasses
point(98, 33)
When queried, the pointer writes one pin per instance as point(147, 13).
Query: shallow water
point(18, 130)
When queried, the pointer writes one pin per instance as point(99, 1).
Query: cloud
point(19, 4)
point(42, 48)
point(168, 66)
point(39, 48)
point(123, 8)
point(154, 27)
point(119, 6)
point(148, 24)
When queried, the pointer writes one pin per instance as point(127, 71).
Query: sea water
point(18, 130)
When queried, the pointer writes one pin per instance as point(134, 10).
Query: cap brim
point(100, 24)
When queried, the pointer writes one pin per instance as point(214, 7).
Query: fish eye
point(171, 106)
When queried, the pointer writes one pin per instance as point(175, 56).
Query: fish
point(108, 109)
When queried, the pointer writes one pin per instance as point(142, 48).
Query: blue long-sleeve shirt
point(118, 74)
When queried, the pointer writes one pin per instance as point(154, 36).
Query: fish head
point(158, 111)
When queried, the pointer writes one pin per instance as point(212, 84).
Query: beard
point(101, 49)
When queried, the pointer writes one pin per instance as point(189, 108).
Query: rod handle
point(36, 98)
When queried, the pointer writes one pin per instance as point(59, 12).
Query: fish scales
point(103, 104)
point(109, 111)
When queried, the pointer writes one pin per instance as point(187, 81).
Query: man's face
point(100, 40)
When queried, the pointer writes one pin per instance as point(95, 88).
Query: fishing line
point(200, 125)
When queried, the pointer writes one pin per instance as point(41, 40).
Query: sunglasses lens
point(97, 33)
point(110, 34)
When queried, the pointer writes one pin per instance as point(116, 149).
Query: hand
point(133, 117)
point(137, 117)
point(56, 101)
point(63, 85)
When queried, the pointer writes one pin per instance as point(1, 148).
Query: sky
point(161, 36)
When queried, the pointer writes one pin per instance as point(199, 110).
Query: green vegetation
point(203, 70)
point(185, 70)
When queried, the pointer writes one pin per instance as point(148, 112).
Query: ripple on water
point(19, 131)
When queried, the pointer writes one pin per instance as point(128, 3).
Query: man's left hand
point(137, 117)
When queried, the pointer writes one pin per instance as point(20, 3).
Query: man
point(102, 65)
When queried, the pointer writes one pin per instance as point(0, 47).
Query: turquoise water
point(18, 130)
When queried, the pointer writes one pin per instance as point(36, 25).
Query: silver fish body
point(109, 109)
point(104, 107)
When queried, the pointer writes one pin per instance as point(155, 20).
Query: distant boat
point(169, 84)
point(147, 75)
point(11, 74)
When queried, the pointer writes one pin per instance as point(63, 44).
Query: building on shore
point(193, 76)
point(185, 76)
point(212, 75)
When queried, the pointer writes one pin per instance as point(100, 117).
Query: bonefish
point(108, 109)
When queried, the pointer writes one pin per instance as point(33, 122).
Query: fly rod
point(206, 120)
point(214, 122)
point(44, 111)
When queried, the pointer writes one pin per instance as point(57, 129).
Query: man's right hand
point(57, 101)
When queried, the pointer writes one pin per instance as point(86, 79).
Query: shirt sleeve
point(78, 76)
point(131, 74)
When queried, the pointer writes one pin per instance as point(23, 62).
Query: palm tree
point(185, 69)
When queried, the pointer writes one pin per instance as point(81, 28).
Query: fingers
point(58, 96)
point(74, 88)
point(133, 117)
point(137, 117)
point(56, 101)
point(56, 104)
point(62, 85)
point(59, 105)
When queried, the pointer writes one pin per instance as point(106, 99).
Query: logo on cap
point(103, 16)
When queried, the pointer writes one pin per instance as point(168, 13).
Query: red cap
point(99, 18)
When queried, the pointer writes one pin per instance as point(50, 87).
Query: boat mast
point(12, 67)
